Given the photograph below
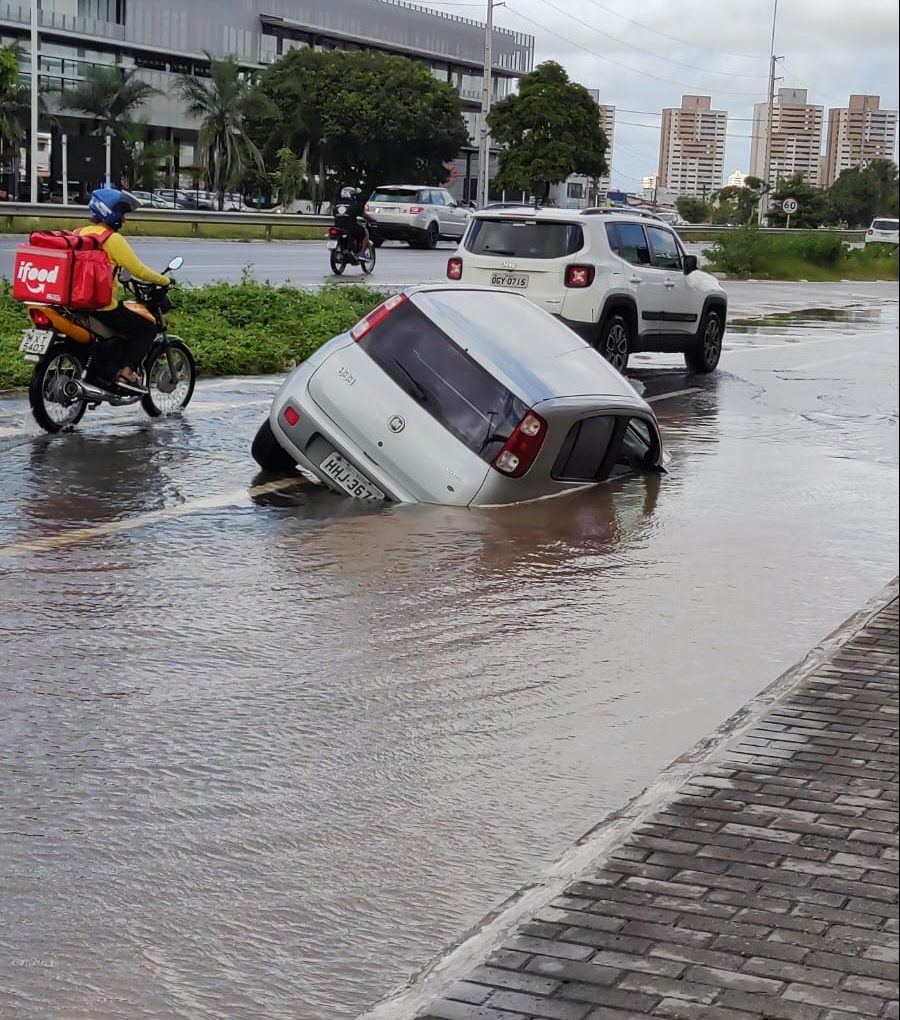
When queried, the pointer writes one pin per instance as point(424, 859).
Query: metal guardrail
point(706, 229)
point(195, 217)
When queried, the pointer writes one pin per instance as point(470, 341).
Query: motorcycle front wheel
point(169, 386)
point(50, 391)
point(338, 263)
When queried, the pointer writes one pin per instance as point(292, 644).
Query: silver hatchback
point(459, 396)
point(417, 214)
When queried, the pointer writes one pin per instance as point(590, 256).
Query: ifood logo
point(35, 279)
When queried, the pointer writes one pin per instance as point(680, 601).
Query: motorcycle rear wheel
point(167, 394)
point(52, 410)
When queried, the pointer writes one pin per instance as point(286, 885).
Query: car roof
point(408, 187)
point(497, 327)
point(567, 215)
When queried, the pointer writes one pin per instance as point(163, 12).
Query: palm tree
point(110, 94)
point(219, 102)
point(15, 110)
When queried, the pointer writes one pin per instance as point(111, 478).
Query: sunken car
point(458, 396)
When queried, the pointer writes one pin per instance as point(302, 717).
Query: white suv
point(883, 231)
point(622, 281)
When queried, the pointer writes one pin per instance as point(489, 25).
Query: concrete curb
point(594, 847)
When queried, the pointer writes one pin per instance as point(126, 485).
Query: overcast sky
point(643, 57)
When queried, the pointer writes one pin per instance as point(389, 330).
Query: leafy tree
point(360, 118)
point(109, 94)
point(738, 205)
point(15, 109)
point(547, 131)
point(289, 175)
point(811, 202)
point(220, 102)
point(147, 159)
point(862, 193)
point(692, 209)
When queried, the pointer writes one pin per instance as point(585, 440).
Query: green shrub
point(233, 329)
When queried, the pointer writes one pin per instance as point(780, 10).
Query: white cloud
point(636, 56)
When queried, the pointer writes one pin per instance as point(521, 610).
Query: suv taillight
point(368, 207)
point(415, 209)
point(377, 315)
point(454, 269)
point(579, 276)
point(522, 447)
point(39, 317)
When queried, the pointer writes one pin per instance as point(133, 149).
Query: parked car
point(461, 396)
point(622, 281)
point(419, 215)
point(883, 231)
point(150, 200)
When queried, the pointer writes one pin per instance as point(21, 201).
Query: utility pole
point(767, 148)
point(484, 141)
point(34, 101)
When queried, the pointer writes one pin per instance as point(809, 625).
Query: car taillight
point(522, 447)
point(579, 276)
point(870, 231)
point(291, 416)
point(39, 317)
point(415, 208)
point(368, 207)
point(377, 315)
point(454, 269)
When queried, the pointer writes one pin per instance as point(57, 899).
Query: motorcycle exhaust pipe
point(76, 389)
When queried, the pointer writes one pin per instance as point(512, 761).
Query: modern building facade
point(858, 133)
point(165, 38)
point(796, 140)
point(692, 147)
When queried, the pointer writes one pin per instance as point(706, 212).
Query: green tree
point(547, 131)
point(862, 193)
point(13, 109)
point(738, 205)
point(812, 208)
point(693, 209)
point(360, 118)
point(220, 103)
point(288, 176)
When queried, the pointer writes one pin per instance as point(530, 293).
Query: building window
point(103, 10)
point(575, 190)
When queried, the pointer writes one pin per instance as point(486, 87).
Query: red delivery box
point(42, 275)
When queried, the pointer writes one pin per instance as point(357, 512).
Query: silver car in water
point(460, 396)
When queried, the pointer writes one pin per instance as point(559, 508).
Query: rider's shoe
point(132, 385)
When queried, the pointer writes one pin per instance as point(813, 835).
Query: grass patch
point(233, 329)
point(164, 228)
point(807, 255)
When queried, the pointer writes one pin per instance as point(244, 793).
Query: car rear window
point(455, 390)
point(402, 196)
point(524, 239)
point(886, 225)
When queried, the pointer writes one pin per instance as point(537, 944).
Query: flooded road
point(264, 754)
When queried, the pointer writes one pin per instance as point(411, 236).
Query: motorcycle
point(344, 253)
point(65, 346)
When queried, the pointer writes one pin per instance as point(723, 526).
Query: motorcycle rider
point(348, 211)
point(108, 208)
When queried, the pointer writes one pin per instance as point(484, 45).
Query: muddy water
point(265, 759)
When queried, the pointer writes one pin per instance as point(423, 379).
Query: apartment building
point(796, 139)
point(692, 147)
point(857, 134)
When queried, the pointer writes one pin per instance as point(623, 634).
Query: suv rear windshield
point(455, 390)
point(524, 239)
point(402, 196)
point(886, 225)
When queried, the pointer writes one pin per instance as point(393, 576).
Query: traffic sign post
point(789, 206)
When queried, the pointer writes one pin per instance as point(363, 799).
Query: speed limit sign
point(789, 206)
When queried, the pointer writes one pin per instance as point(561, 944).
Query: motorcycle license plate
point(332, 245)
point(36, 341)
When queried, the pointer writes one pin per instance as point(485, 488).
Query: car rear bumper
point(398, 231)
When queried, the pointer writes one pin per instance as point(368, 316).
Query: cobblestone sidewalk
point(766, 887)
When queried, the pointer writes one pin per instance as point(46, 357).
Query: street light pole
point(767, 148)
point(484, 141)
point(34, 101)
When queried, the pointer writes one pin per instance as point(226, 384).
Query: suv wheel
point(615, 340)
point(703, 356)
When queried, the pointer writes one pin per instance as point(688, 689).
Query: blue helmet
point(109, 206)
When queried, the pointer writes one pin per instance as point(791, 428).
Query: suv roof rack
point(619, 211)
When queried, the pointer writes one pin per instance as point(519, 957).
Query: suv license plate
point(36, 341)
point(516, 280)
point(349, 479)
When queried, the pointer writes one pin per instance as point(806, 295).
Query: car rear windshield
point(402, 196)
point(462, 395)
point(886, 225)
point(524, 239)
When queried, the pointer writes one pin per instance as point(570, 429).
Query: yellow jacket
point(122, 254)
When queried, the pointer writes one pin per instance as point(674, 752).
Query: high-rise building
point(692, 147)
point(856, 134)
point(796, 145)
point(737, 179)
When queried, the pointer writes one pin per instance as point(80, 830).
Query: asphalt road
point(265, 752)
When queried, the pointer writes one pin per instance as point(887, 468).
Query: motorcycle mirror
point(124, 276)
point(175, 264)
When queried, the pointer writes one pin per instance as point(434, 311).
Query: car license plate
point(517, 280)
point(36, 341)
point(349, 479)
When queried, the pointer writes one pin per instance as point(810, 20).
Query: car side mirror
point(690, 264)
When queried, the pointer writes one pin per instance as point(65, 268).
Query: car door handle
point(669, 284)
point(634, 279)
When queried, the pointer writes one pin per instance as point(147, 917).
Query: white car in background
point(417, 214)
point(883, 231)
